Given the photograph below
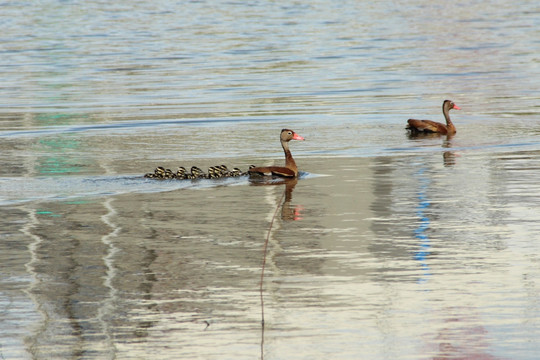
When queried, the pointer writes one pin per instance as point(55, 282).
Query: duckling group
point(214, 172)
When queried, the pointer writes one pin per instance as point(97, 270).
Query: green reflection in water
point(46, 212)
point(54, 119)
point(78, 202)
point(62, 156)
point(62, 152)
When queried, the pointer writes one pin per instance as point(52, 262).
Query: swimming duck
point(197, 173)
point(181, 172)
point(169, 174)
point(213, 173)
point(289, 170)
point(428, 126)
point(159, 173)
point(235, 172)
point(245, 173)
point(223, 170)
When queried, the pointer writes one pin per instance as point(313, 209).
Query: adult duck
point(428, 126)
point(289, 170)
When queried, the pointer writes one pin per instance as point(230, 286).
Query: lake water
point(387, 247)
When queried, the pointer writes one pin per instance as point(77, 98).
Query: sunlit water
point(387, 247)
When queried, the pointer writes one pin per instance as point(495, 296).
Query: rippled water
point(387, 247)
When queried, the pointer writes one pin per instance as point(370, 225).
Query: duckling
point(217, 171)
point(149, 175)
point(160, 171)
point(169, 174)
point(181, 173)
point(235, 172)
point(223, 171)
point(197, 173)
point(247, 172)
point(213, 173)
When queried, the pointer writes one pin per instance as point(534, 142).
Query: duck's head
point(288, 135)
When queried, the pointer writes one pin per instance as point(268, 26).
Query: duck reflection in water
point(449, 156)
point(289, 212)
point(461, 335)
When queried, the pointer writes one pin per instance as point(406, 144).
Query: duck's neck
point(449, 125)
point(289, 161)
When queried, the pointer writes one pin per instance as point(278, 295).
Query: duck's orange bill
point(297, 137)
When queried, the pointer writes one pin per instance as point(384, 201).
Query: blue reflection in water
point(420, 232)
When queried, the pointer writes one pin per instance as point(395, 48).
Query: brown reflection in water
point(461, 338)
point(289, 212)
point(449, 157)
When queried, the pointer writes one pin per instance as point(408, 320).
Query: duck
point(236, 172)
point(428, 126)
point(223, 170)
point(169, 174)
point(213, 173)
point(197, 173)
point(289, 170)
point(159, 173)
point(181, 172)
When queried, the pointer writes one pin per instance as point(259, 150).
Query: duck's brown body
point(289, 170)
point(428, 126)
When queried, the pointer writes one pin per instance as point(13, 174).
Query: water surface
point(387, 247)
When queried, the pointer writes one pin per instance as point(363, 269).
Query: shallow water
point(387, 247)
